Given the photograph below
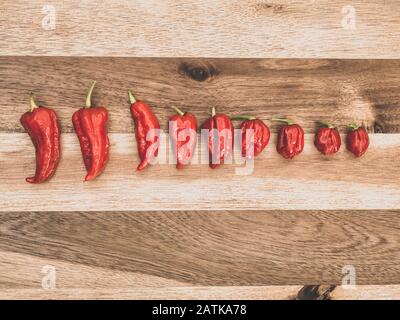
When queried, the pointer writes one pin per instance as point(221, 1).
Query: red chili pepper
point(290, 139)
point(146, 130)
point(327, 139)
point(357, 140)
point(220, 138)
point(41, 125)
point(90, 124)
point(182, 131)
point(255, 136)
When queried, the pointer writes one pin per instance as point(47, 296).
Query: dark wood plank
point(343, 91)
point(214, 248)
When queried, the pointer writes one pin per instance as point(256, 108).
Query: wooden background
point(283, 232)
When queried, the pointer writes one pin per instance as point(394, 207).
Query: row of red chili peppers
point(90, 124)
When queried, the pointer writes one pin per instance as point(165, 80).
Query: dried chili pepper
point(327, 140)
point(220, 138)
point(90, 125)
point(290, 139)
point(357, 140)
point(182, 131)
point(146, 130)
point(41, 125)
point(255, 136)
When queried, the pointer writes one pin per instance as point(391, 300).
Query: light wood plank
point(169, 293)
point(373, 292)
point(343, 91)
point(388, 292)
point(125, 250)
point(310, 181)
point(207, 28)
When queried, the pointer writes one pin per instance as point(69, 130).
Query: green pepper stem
point(213, 112)
point(32, 103)
point(353, 126)
point(243, 117)
point(287, 121)
point(326, 124)
point(178, 111)
point(89, 95)
point(132, 98)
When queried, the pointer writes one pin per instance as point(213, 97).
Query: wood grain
point(202, 28)
point(200, 233)
point(343, 91)
point(120, 250)
point(310, 181)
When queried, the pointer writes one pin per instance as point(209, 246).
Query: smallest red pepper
point(290, 139)
point(357, 140)
point(327, 139)
point(255, 136)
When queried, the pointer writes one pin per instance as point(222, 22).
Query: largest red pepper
point(220, 138)
point(90, 124)
point(146, 130)
point(41, 125)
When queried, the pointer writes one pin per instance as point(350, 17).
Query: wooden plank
point(387, 292)
point(169, 293)
point(345, 292)
point(343, 91)
point(198, 248)
point(244, 28)
point(308, 182)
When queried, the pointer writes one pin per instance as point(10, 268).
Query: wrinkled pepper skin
point(42, 127)
point(357, 140)
point(261, 136)
point(327, 140)
point(224, 131)
point(290, 139)
point(182, 131)
point(146, 131)
point(90, 125)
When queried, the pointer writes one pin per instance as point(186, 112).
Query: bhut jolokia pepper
point(255, 136)
point(41, 125)
point(327, 140)
point(90, 125)
point(220, 138)
point(182, 131)
point(290, 139)
point(146, 130)
point(357, 140)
